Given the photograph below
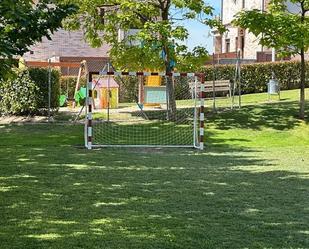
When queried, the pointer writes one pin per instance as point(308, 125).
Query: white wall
point(231, 34)
point(230, 9)
point(252, 46)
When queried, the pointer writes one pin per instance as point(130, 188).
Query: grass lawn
point(248, 189)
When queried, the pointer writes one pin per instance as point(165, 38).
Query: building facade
point(237, 39)
point(68, 46)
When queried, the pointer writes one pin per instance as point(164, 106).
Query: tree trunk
point(302, 70)
point(170, 89)
point(171, 104)
point(302, 85)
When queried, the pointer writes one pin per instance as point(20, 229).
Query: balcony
point(230, 55)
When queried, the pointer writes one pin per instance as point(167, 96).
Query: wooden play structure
point(57, 65)
point(105, 93)
point(151, 91)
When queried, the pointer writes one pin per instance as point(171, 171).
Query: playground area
point(143, 109)
point(162, 124)
point(247, 189)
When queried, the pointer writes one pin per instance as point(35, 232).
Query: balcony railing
point(230, 55)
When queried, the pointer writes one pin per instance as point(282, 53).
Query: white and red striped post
point(172, 74)
point(202, 112)
point(89, 113)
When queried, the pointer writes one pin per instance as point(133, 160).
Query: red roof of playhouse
point(103, 83)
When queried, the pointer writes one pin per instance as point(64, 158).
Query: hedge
point(256, 76)
point(18, 94)
point(40, 77)
point(26, 91)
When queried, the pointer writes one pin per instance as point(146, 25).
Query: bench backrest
point(220, 86)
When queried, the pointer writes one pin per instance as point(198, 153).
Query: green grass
point(248, 189)
point(145, 132)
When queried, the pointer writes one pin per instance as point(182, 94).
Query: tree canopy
point(158, 42)
point(23, 23)
point(283, 28)
point(146, 34)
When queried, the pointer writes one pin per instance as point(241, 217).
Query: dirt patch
point(22, 119)
point(64, 115)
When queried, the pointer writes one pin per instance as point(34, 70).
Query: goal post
point(131, 109)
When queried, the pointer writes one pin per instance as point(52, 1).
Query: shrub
point(40, 77)
point(18, 95)
point(256, 76)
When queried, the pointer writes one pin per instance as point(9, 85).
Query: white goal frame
point(199, 109)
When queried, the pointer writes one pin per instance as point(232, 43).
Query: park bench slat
point(217, 89)
point(220, 86)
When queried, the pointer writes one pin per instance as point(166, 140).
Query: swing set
point(80, 93)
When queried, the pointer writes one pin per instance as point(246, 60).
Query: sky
point(200, 34)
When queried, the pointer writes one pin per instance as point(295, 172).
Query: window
point(227, 45)
point(242, 46)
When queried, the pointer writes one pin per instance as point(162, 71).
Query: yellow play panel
point(112, 94)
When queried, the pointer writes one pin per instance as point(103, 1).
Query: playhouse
point(105, 93)
point(152, 93)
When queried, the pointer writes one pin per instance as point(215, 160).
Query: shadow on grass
point(64, 197)
point(55, 196)
point(278, 116)
point(143, 132)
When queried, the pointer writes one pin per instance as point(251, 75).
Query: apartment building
point(226, 45)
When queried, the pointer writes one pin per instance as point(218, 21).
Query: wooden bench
point(218, 86)
point(214, 87)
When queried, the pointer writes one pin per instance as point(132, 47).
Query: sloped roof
point(103, 82)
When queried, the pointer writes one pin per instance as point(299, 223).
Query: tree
point(23, 23)
point(157, 42)
point(283, 30)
